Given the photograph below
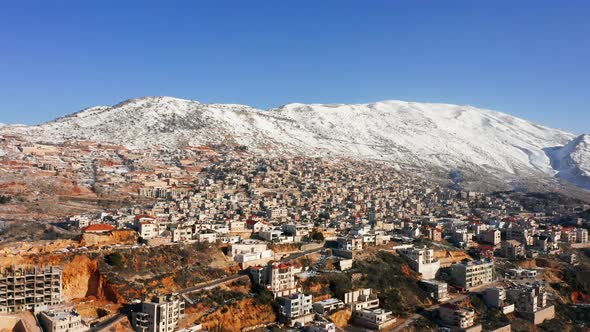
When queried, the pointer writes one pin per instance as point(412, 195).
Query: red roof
point(99, 228)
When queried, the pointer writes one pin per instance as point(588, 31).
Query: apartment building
point(462, 237)
point(471, 274)
point(495, 297)
point(350, 243)
point(581, 235)
point(31, 289)
point(438, 290)
point(296, 308)
point(528, 298)
point(530, 301)
point(512, 249)
point(491, 236)
point(160, 314)
point(520, 234)
point(279, 278)
point(422, 261)
point(61, 320)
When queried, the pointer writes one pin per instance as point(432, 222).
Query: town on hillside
point(97, 237)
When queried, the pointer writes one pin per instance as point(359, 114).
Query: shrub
point(4, 199)
point(115, 259)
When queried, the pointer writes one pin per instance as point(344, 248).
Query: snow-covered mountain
point(443, 136)
point(572, 161)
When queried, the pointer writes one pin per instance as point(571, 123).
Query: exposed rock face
point(341, 318)
point(82, 278)
point(243, 314)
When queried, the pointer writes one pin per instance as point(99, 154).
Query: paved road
point(209, 285)
point(108, 323)
point(300, 254)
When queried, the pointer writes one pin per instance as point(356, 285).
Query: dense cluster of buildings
point(247, 203)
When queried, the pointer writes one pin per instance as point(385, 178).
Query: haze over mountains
point(418, 135)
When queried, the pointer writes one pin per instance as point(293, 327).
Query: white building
point(422, 261)
point(495, 297)
point(455, 316)
point(365, 309)
point(296, 308)
point(471, 274)
point(328, 305)
point(376, 319)
point(161, 314)
point(278, 278)
point(250, 251)
point(61, 320)
point(581, 235)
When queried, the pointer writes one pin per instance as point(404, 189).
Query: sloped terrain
point(572, 161)
point(439, 136)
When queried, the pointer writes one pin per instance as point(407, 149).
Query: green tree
point(4, 199)
point(317, 236)
point(115, 259)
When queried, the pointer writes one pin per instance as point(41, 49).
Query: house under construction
point(29, 288)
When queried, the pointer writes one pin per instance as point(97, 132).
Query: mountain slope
point(572, 161)
point(416, 134)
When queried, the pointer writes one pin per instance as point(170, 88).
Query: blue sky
point(527, 58)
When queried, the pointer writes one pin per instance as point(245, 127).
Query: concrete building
point(422, 261)
point(512, 249)
point(456, 317)
point(438, 290)
point(361, 299)
point(250, 252)
point(530, 301)
point(375, 319)
point(278, 278)
point(462, 238)
point(328, 305)
point(471, 274)
point(148, 229)
point(581, 235)
point(322, 326)
point(296, 308)
point(160, 314)
point(520, 234)
point(30, 289)
point(495, 297)
point(365, 309)
point(491, 236)
point(61, 320)
point(520, 273)
point(350, 243)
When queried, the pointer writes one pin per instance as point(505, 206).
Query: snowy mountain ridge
point(443, 136)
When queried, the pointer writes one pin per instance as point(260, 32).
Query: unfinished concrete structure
point(29, 288)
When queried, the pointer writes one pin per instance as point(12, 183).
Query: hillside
point(438, 136)
point(572, 161)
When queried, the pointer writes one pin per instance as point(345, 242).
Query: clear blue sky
point(527, 58)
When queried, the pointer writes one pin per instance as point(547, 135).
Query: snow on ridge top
point(421, 134)
point(572, 161)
